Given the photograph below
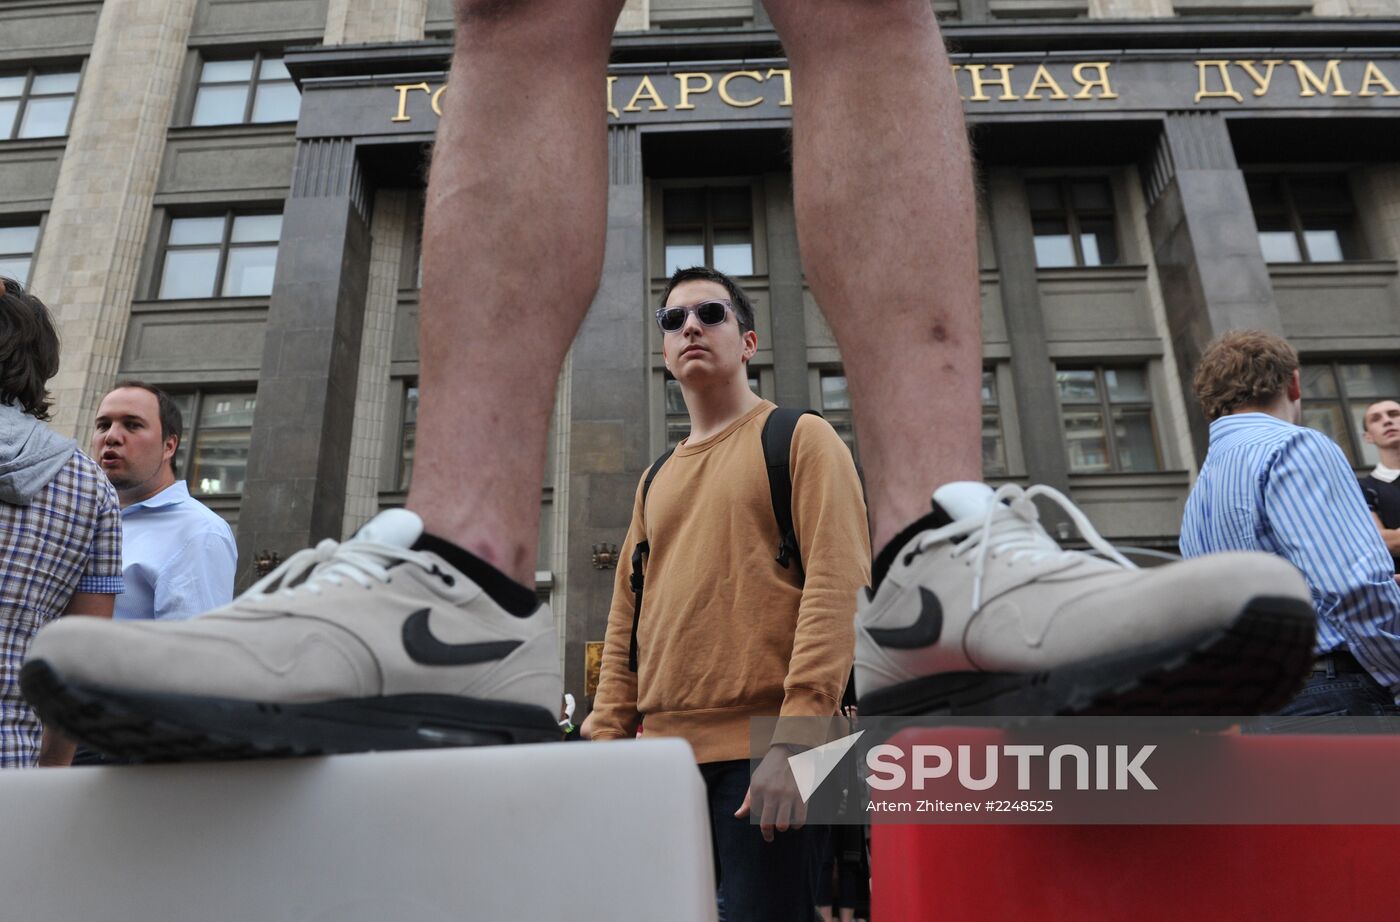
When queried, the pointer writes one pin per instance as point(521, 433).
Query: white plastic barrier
point(565, 831)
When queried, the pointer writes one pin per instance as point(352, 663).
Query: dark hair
point(28, 350)
point(743, 310)
point(172, 421)
point(1243, 368)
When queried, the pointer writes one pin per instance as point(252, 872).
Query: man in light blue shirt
point(1270, 484)
point(178, 557)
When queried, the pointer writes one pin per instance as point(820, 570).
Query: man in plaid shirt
point(60, 523)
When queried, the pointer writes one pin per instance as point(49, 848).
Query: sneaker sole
point(1255, 665)
point(153, 727)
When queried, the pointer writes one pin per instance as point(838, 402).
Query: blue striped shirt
point(1268, 485)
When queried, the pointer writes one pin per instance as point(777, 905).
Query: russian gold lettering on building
point(683, 80)
point(979, 83)
point(724, 93)
point(1101, 81)
point(403, 90)
point(1044, 81)
point(612, 106)
point(996, 85)
point(1373, 75)
point(787, 83)
point(645, 89)
point(1261, 81)
point(1223, 71)
point(1310, 85)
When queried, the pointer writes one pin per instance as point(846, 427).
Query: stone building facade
point(224, 197)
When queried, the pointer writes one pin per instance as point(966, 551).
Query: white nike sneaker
point(346, 647)
point(987, 615)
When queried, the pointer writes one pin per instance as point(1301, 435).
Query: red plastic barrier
point(1143, 873)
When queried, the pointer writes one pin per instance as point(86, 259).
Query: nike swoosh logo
point(924, 632)
point(422, 647)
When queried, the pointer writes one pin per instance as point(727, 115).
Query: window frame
point(1283, 184)
point(20, 220)
point(1106, 406)
point(1072, 216)
point(255, 80)
point(225, 245)
point(184, 454)
point(989, 372)
point(757, 220)
point(837, 416)
point(27, 94)
point(1356, 456)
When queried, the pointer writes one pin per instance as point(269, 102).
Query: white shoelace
point(333, 562)
point(1014, 528)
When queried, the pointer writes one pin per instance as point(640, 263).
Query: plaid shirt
point(69, 539)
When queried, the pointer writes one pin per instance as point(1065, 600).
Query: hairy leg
point(512, 251)
point(886, 218)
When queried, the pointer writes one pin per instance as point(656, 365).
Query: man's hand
point(773, 795)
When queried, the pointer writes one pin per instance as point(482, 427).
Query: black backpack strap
point(777, 454)
point(642, 549)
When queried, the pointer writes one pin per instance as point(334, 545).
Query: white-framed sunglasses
point(711, 313)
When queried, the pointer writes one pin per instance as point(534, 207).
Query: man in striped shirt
point(1270, 484)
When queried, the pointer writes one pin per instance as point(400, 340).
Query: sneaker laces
point(1014, 528)
point(335, 562)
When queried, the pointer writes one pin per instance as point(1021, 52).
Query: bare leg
point(512, 252)
point(886, 217)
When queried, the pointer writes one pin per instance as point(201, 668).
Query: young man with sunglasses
point(429, 617)
point(725, 632)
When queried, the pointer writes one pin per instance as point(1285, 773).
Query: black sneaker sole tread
point(155, 727)
point(1254, 665)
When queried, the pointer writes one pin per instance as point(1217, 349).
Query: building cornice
point(1261, 34)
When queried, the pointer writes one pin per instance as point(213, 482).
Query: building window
point(36, 104)
point(17, 244)
point(213, 453)
point(1335, 397)
point(245, 91)
point(1072, 220)
point(1107, 418)
point(231, 255)
point(993, 445)
point(1304, 219)
point(836, 407)
point(408, 434)
point(677, 416)
point(709, 227)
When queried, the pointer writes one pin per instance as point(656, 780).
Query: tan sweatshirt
point(726, 634)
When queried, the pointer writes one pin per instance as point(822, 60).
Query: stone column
point(1206, 246)
point(381, 306)
point(635, 16)
point(789, 327)
point(1129, 9)
point(351, 22)
point(299, 456)
point(608, 412)
point(1032, 371)
point(101, 206)
point(1377, 188)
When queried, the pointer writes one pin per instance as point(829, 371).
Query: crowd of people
point(758, 572)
